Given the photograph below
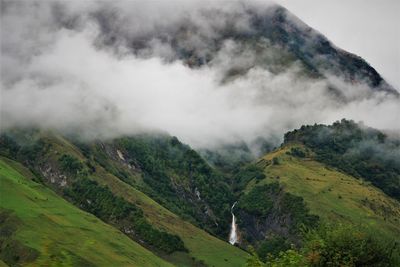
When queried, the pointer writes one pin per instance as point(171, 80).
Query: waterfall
point(233, 235)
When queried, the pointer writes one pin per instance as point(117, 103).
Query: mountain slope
point(40, 228)
point(331, 194)
point(277, 38)
point(287, 190)
point(299, 187)
point(355, 149)
point(49, 158)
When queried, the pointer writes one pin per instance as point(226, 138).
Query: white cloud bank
point(68, 82)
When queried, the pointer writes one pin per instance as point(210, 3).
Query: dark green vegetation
point(355, 149)
point(101, 202)
point(296, 205)
point(359, 224)
point(346, 245)
point(341, 245)
point(266, 199)
point(272, 219)
point(245, 175)
point(174, 172)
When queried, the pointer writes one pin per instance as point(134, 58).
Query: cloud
point(106, 70)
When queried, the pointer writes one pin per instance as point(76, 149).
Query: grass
point(203, 247)
point(331, 194)
point(62, 234)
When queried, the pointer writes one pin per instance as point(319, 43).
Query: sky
point(110, 68)
point(368, 28)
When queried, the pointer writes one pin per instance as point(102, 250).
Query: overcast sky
point(368, 28)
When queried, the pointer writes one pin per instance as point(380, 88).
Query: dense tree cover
point(102, 203)
point(70, 164)
point(175, 173)
point(8, 146)
point(272, 247)
point(335, 246)
point(297, 152)
point(278, 215)
point(260, 200)
point(245, 175)
point(28, 152)
point(355, 149)
point(349, 245)
point(268, 199)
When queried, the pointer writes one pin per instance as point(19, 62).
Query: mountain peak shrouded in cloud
point(209, 73)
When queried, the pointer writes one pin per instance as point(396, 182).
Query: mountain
point(159, 194)
point(90, 177)
point(241, 38)
point(321, 174)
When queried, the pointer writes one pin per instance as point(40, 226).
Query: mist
point(105, 69)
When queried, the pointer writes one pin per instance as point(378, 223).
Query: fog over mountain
point(209, 73)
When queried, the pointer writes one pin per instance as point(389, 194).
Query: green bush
point(271, 247)
point(348, 245)
point(70, 164)
point(340, 245)
point(259, 201)
point(289, 258)
point(297, 152)
point(245, 175)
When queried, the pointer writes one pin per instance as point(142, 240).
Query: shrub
point(70, 164)
point(348, 245)
point(297, 152)
point(272, 247)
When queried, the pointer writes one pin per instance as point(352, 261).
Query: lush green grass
point(202, 246)
point(331, 194)
point(61, 233)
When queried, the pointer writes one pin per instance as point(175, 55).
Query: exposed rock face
point(53, 175)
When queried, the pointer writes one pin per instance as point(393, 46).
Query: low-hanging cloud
point(106, 70)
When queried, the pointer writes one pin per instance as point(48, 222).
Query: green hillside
point(161, 198)
point(329, 193)
point(41, 229)
point(47, 151)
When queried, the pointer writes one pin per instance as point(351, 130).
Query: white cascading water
point(233, 235)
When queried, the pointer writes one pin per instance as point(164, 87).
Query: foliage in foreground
point(335, 246)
